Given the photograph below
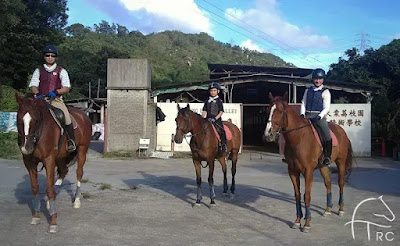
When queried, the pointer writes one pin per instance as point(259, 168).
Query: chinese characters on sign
point(349, 118)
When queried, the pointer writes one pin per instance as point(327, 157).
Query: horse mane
point(184, 111)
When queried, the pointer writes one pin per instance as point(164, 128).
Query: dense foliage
point(376, 67)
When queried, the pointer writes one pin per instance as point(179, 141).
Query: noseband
point(282, 123)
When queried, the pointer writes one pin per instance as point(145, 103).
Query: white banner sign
point(166, 128)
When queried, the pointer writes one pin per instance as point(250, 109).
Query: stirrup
point(71, 147)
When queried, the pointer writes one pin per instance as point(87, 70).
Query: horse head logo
point(389, 216)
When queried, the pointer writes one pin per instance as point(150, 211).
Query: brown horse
point(302, 153)
point(204, 147)
point(38, 140)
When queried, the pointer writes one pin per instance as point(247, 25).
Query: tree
point(376, 67)
point(32, 25)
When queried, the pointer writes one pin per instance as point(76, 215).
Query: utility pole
point(90, 90)
point(364, 41)
point(98, 88)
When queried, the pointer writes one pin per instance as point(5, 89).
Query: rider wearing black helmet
point(315, 106)
point(213, 109)
point(51, 81)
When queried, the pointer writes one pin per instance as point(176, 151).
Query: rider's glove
point(38, 95)
point(52, 94)
point(212, 120)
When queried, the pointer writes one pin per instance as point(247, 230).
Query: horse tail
point(349, 160)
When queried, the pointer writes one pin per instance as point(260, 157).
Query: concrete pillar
point(131, 114)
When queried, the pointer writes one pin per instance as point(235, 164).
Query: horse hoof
point(306, 229)
point(341, 213)
point(53, 229)
point(197, 204)
point(213, 205)
point(77, 204)
point(296, 225)
point(35, 221)
point(326, 213)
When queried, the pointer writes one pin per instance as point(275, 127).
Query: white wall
point(168, 127)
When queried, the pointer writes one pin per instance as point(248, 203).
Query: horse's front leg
point(51, 194)
point(211, 181)
point(223, 165)
point(327, 179)
point(197, 166)
point(308, 176)
point(295, 177)
point(31, 165)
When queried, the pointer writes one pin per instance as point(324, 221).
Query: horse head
point(29, 123)
point(277, 117)
point(183, 124)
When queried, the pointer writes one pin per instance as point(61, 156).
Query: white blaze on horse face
point(27, 120)
point(269, 124)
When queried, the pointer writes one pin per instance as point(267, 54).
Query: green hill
point(174, 56)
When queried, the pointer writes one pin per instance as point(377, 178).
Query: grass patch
point(84, 181)
point(117, 154)
point(9, 146)
point(104, 186)
point(86, 195)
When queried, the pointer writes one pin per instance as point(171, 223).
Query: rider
point(213, 109)
point(315, 106)
point(51, 81)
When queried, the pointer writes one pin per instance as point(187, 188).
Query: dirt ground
point(150, 203)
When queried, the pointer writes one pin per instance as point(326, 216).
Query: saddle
point(59, 118)
point(228, 132)
point(320, 138)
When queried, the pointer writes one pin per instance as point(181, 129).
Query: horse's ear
point(179, 108)
point(18, 98)
point(188, 107)
point(270, 97)
point(286, 97)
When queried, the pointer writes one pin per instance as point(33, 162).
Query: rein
point(281, 125)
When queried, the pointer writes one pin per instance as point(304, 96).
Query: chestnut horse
point(204, 147)
point(302, 152)
point(38, 140)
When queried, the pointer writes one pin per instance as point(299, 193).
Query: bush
point(9, 146)
point(7, 99)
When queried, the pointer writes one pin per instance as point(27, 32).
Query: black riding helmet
point(50, 49)
point(318, 73)
point(214, 85)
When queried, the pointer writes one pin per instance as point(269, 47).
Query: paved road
point(150, 203)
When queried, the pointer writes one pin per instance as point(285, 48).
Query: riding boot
point(328, 152)
point(223, 141)
point(71, 138)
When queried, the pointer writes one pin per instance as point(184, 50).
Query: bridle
point(282, 124)
point(186, 129)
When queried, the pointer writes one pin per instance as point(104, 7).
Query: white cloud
point(249, 44)
point(183, 15)
point(266, 18)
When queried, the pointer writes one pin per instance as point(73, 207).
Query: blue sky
point(308, 33)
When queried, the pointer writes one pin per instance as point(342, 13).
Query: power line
point(257, 30)
point(219, 23)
